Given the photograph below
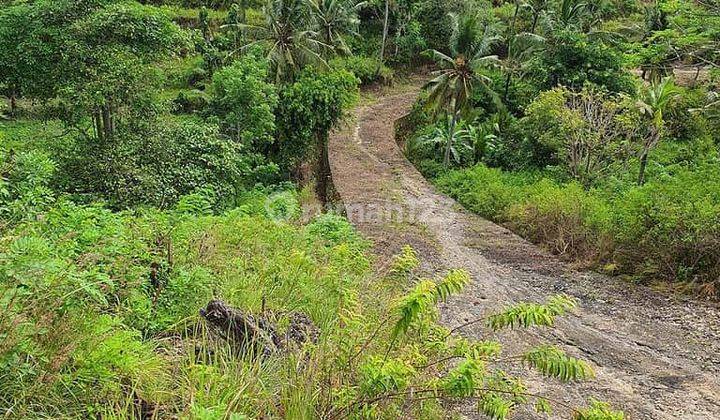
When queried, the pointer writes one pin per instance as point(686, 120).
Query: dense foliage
point(155, 157)
point(545, 128)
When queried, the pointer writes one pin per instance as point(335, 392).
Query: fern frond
point(542, 406)
point(484, 349)
point(554, 363)
point(531, 314)
point(495, 406)
point(462, 381)
point(404, 263)
point(560, 304)
point(454, 282)
point(598, 411)
point(412, 306)
point(425, 295)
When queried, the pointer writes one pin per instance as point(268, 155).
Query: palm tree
point(654, 99)
point(521, 49)
point(289, 42)
point(336, 20)
point(454, 83)
point(567, 14)
point(571, 11)
point(537, 9)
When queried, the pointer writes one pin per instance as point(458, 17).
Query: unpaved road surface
point(656, 356)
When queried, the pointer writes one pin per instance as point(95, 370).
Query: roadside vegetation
point(157, 159)
point(589, 128)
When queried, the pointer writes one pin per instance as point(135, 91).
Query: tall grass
point(665, 230)
point(101, 311)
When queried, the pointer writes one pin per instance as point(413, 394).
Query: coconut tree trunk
point(323, 172)
point(385, 30)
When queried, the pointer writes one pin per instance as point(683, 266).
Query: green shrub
point(665, 230)
point(487, 191)
point(332, 228)
point(567, 219)
point(191, 102)
point(670, 228)
point(368, 70)
point(24, 184)
point(157, 165)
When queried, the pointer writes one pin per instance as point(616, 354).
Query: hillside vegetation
point(158, 160)
point(589, 128)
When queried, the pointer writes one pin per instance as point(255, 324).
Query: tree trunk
point(536, 16)
point(514, 20)
point(323, 172)
point(98, 127)
point(13, 104)
point(507, 86)
point(385, 30)
point(451, 137)
point(107, 122)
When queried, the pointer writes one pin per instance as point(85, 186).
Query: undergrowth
point(664, 230)
point(102, 320)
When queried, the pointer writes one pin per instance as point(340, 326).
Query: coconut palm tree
point(450, 90)
point(287, 38)
point(653, 102)
point(336, 20)
point(520, 51)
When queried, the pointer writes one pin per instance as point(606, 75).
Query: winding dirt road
point(656, 357)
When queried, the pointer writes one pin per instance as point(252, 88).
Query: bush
point(24, 184)
point(368, 70)
point(332, 228)
point(486, 191)
point(566, 219)
point(245, 102)
point(156, 167)
point(670, 228)
point(191, 102)
point(665, 230)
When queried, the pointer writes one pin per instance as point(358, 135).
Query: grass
point(665, 230)
point(78, 287)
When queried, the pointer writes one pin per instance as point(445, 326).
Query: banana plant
point(450, 90)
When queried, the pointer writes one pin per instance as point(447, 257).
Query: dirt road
point(656, 357)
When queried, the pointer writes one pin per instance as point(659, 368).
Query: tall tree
point(386, 29)
point(336, 20)
point(452, 87)
point(286, 34)
point(93, 55)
